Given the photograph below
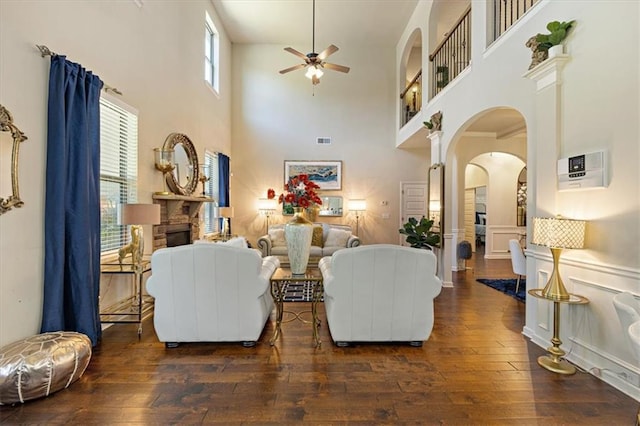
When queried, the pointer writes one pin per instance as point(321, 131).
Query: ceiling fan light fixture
point(312, 71)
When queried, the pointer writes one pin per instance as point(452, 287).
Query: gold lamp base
point(555, 289)
point(559, 366)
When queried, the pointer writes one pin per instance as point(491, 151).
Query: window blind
point(118, 168)
point(212, 189)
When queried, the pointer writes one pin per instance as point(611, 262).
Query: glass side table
point(283, 276)
point(554, 361)
point(138, 306)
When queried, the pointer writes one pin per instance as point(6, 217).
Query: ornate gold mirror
point(6, 125)
point(435, 199)
point(183, 180)
point(521, 198)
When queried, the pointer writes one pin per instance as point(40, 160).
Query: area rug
point(507, 287)
point(299, 291)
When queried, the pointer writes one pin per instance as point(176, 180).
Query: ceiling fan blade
point(295, 52)
point(335, 67)
point(293, 68)
point(328, 51)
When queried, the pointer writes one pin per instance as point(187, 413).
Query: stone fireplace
point(179, 220)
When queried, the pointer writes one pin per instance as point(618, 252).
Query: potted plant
point(419, 234)
point(557, 33)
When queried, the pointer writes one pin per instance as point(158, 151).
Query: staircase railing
point(411, 99)
point(507, 12)
point(452, 55)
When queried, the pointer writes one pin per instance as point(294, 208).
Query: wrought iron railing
point(507, 12)
point(411, 98)
point(452, 55)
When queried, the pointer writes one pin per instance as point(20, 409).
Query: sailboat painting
point(327, 174)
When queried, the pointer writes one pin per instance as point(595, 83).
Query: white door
point(413, 203)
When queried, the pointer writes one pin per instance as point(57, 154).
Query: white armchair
point(210, 292)
point(380, 293)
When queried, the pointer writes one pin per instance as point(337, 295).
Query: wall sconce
point(357, 206)
point(267, 208)
point(165, 163)
point(136, 215)
point(557, 233)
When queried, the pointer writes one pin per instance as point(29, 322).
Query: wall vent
point(323, 141)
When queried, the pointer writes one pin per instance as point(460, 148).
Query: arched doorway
point(493, 141)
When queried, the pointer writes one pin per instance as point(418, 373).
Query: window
point(211, 224)
point(118, 168)
point(211, 53)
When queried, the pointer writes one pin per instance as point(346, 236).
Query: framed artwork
point(326, 174)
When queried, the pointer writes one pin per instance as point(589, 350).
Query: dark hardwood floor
point(476, 369)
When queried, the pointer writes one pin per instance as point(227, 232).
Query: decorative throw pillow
point(316, 239)
point(239, 242)
point(277, 237)
point(337, 238)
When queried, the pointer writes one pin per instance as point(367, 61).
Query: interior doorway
point(413, 203)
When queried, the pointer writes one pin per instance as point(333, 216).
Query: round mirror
point(184, 177)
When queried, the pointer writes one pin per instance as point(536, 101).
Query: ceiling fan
point(313, 61)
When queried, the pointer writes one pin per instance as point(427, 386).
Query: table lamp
point(357, 206)
point(557, 233)
point(224, 213)
point(136, 215)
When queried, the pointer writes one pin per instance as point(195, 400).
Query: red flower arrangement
point(299, 192)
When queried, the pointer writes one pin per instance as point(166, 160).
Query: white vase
point(298, 233)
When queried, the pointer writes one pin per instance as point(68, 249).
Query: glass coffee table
point(283, 276)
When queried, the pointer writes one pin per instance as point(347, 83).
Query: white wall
point(153, 54)
point(278, 117)
point(595, 107)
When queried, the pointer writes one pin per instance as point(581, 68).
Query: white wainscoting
point(591, 333)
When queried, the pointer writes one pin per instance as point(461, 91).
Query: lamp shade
point(265, 204)
point(139, 214)
point(556, 232)
point(357, 205)
point(225, 211)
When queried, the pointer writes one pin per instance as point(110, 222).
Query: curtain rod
point(45, 51)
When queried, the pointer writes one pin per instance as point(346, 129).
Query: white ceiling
point(345, 23)
point(340, 22)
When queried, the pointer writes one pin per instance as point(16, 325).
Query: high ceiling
point(344, 23)
point(341, 22)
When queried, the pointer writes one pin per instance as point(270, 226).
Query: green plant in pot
point(419, 233)
point(557, 33)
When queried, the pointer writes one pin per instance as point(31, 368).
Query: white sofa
point(210, 292)
point(334, 237)
point(380, 293)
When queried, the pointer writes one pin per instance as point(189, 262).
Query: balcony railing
point(452, 55)
point(411, 99)
point(507, 12)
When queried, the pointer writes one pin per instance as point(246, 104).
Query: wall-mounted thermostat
point(583, 171)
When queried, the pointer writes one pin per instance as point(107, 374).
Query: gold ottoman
point(42, 364)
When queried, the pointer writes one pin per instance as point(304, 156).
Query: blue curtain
point(223, 184)
point(72, 202)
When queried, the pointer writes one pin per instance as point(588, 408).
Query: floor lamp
point(557, 234)
point(357, 206)
point(267, 208)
